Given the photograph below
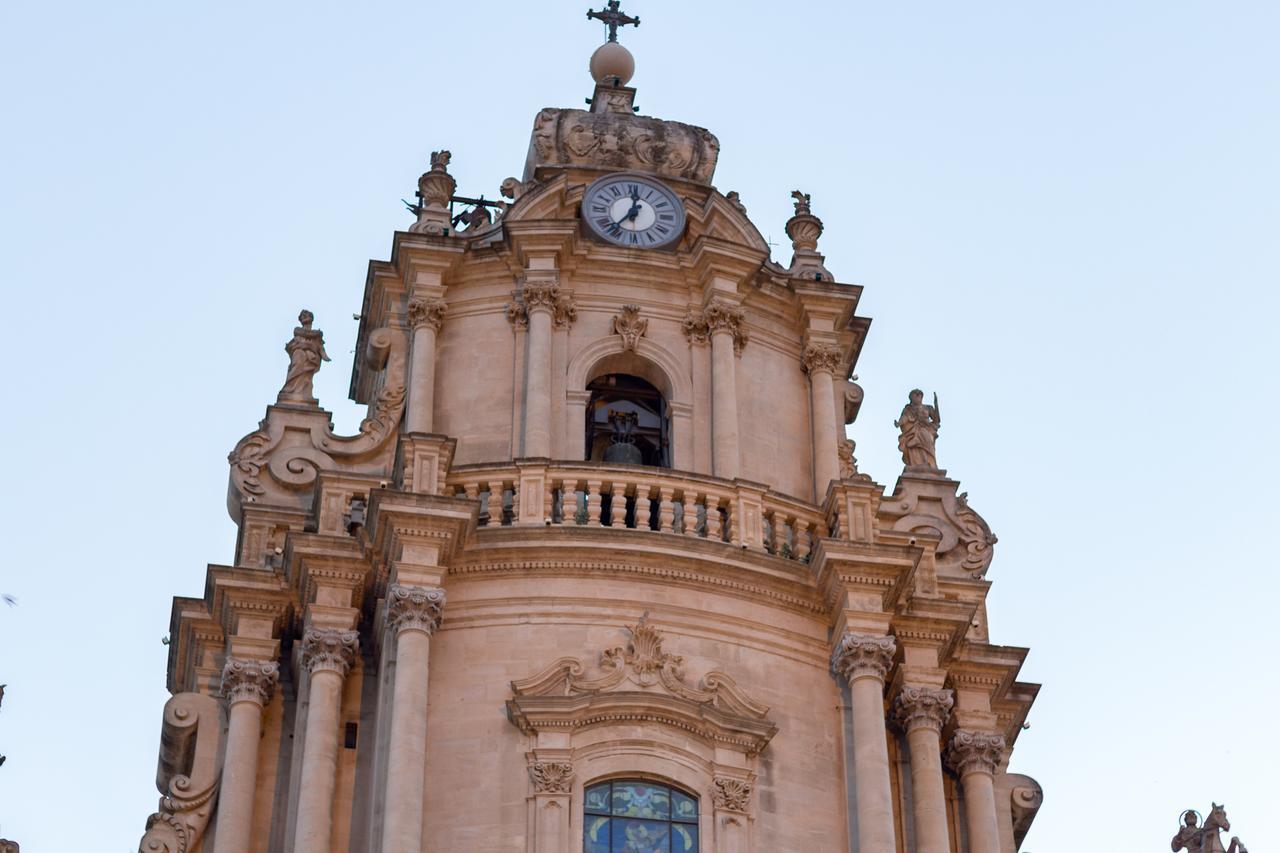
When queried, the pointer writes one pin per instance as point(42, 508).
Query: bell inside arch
point(623, 447)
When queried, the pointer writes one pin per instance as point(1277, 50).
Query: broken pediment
point(640, 682)
point(929, 503)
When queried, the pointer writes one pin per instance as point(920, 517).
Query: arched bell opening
point(627, 421)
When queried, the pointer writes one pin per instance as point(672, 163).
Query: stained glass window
point(629, 816)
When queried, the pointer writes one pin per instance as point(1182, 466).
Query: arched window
point(629, 816)
point(627, 422)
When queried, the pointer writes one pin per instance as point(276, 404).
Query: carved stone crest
point(620, 140)
point(640, 681)
point(630, 326)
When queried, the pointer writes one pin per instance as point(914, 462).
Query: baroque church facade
point(598, 572)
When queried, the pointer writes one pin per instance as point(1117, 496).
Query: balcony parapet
point(544, 492)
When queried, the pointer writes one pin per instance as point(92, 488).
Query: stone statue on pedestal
point(919, 425)
point(306, 352)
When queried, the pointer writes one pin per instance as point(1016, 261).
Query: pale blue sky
point(1064, 214)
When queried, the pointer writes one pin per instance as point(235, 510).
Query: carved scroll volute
point(278, 464)
point(187, 775)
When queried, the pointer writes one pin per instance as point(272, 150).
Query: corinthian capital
point(858, 655)
point(920, 707)
point(551, 777)
point(249, 680)
point(540, 294)
point(426, 312)
point(975, 752)
point(722, 316)
point(822, 357)
point(329, 649)
point(414, 608)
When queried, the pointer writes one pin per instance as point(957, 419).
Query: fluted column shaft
point(425, 315)
point(539, 301)
point(975, 756)
point(328, 655)
point(864, 660)
point(724, 404)
point(247, 686)
point(922, 713)
point(413, 614)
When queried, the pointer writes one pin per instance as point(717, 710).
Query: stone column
point(864, 659)
point(540, 304)
point(425, 316)
point(922, 713)
point(725, 324)
point(975, 756)
point(327, 654)
point(247, 686)
point(552, 782)
point(413, 614)
point(821, 362)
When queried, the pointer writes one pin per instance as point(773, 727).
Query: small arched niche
point(627, 421)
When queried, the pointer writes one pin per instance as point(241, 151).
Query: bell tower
point(598, 571)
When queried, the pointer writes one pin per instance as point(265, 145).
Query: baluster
point(548, 500)
point(472, 491)
point(689, 513)
point(593, 503)
point(801, 547)
point(714, 531)
point(786, 534)
point(642, 507)
point(666, 509)
point(555, 501)
point(510, 516)
point(493, 510)
point(618, 505)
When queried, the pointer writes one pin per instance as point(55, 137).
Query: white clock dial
point(633, 210)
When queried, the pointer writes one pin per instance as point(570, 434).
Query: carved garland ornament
point(427, 312)
point(414, 608)
point(329, 650)
point(732, 794)
point(551, 777)
point(249, 680)
point(859, 655)
point(630, 327)
point(920, 707)
point(975, 752)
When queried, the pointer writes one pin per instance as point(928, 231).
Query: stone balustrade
point(539, 492)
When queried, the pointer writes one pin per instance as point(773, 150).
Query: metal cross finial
point(612, 18)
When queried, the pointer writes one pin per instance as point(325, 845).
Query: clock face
point(634, 211)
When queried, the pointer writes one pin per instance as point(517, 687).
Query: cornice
point(857, 575)
point(694, 563)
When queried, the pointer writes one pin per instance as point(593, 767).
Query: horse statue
point(1205, 839)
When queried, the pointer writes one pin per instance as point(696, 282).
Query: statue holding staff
point(919, 426)
point(306, 352)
